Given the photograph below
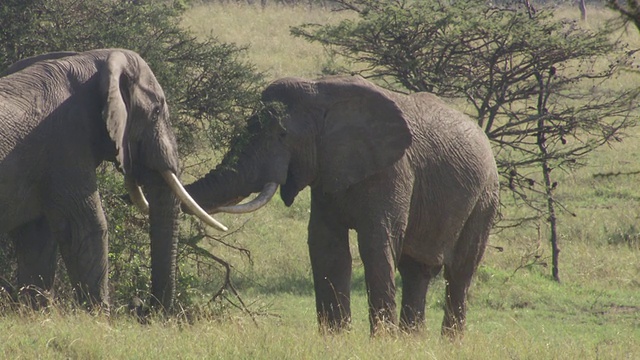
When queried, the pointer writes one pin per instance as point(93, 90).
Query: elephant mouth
point(290, 189)
point(137, 197)
point(288, 193)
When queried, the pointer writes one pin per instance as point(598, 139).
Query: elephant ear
point(115, 112)
point(364, 132)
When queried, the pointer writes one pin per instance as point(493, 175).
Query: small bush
point(629, 236)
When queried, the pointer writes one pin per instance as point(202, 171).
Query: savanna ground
point(515, 309)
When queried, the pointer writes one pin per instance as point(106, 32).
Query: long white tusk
point(184, 196)
point(136, 195)
point(261, 200)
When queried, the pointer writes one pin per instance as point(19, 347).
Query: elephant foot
point(411, 320)
point(411, 327)
point(8, 291)
point(139, 310)
point(383, 321)
point(452, 328)
point(328, 325)
point(92, 303)
point(383, 328)
point(34, 297)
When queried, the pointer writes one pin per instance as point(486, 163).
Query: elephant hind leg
point(416, 277)
point(36, 251)
point(461, 266)
point(455, 302)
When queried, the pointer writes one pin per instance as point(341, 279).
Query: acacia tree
point(538, 86)
point(629, 10)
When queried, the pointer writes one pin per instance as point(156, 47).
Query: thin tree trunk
point(583, 9)
point(553, 238)
point(549, 186)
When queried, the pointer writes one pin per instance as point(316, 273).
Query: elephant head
point(62, 115)
point(329, 134)
point(137, 120)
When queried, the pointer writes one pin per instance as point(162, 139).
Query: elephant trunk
point(164, 208)
point(220, 187)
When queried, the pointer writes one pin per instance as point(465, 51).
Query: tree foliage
point(209, 87)
point(629, 11)
point(540, 87)
point(208, 84)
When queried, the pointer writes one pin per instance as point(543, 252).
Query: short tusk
point(261, 200)
point(136, 195)
point(188, 201)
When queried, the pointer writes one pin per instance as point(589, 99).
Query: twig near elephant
point(416, 179)
point(227, 284)
point(61, 115)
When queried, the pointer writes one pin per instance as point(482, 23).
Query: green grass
point(511, 316)
point(515, 310)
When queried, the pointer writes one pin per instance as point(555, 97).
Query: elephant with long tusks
point(61, 115)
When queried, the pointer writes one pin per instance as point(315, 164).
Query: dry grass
point(266, 32)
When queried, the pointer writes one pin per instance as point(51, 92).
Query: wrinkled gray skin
point(24, 63)
point(61, 115)
point(416, 179)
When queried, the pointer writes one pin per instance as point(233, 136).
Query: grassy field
point(515, 311)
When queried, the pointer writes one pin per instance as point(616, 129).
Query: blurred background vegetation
point(549, 86)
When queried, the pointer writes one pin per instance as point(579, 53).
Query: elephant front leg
point(81, 232)
point(37, 254)
point(331, 265)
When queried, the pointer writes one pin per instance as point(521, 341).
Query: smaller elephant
point(61, 115)
point(414, 178)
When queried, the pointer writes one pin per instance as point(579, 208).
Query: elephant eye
point(156, 112)
point(282, 135)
